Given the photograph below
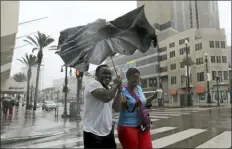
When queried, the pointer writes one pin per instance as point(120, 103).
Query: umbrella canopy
point(94, 42)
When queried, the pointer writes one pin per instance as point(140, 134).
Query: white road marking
point(222, 140)
point(171, 139)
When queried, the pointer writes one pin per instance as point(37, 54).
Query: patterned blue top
point(131, 118)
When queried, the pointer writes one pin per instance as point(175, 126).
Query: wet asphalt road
point(172, 128)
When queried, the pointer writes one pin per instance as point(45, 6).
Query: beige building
point(181, 15)
point(171, 69)
point(9, 28)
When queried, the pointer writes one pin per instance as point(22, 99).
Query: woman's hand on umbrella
point(124, 102)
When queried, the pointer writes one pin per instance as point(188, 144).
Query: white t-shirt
point(97, 115)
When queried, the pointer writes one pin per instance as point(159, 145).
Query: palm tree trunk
point(36, 86)
point(28, 86)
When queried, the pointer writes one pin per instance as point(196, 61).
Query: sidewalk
point(23, 126)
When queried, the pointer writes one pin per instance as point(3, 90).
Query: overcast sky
point(66, 14)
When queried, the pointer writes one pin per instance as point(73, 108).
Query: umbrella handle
point(114, 65)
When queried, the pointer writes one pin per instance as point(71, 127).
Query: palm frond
point(20, 77)
point(34, 49)
point(29, 38)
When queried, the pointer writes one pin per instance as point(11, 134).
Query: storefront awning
point(10, 86)
point(173, 92)
point(200, 89)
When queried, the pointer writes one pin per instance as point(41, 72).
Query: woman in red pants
point(11, 108)
point(129, 133)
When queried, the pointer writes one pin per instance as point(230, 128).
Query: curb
point(21, 139)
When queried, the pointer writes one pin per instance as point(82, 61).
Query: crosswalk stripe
point(152, 119)
point(167, 112)
point(154, 116)
point(222, 140)
point(153, 131)
point(171, 139)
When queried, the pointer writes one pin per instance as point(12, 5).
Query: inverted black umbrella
point(94, 42)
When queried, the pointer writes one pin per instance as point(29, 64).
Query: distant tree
point(29, 61)
point(39, 42)
point(20, 77)
point(190, 62)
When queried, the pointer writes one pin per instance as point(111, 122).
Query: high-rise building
point(166, 65)
point(9, 28)
point(181, 15)
point(229, 56)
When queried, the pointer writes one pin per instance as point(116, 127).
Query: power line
point(32, 20)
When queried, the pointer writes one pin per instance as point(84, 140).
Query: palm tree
point(40, 42)
point(29, 61)
point(20, 77)
point(190, 62)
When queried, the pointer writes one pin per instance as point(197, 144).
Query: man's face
point(105, 76)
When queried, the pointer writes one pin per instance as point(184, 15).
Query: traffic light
point(79, 73)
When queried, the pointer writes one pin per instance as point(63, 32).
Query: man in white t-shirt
point(99, 103)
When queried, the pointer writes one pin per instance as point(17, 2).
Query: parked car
point(49, 105)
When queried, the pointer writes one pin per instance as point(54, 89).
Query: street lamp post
point(217, 80)
point(65, 89)
point(207, 71)
point(188, 84)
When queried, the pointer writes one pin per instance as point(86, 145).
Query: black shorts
point(93, 141)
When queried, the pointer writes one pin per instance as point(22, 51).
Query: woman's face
point(134, 79)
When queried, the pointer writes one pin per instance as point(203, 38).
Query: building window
point(223, 44)
point(211, 44)
point(224, 59)
point(213, 60)
point(172, 66)
point(152, 82)
point(199, 61)
point(181, 64)
point(214, 74)
point(198, 37)
point(163, 69)
point(144, 83)
point(200, 76)
point(198, 46)
point(172, 54)
point(184, 78)
point(173, 80)
point(220, 76)
point(171, 45)
point(219, 60)
point(225, 75)
point(162, 49)
point(217, 44)
point(182, 50)
point(163, 57)
point(182, 41)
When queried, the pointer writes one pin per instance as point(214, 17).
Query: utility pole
point(79, 76)
point(207, 71)
point(217, 80)
point(188, 84)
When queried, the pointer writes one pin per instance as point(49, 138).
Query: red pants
point(11, 110)
point(133, 138)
